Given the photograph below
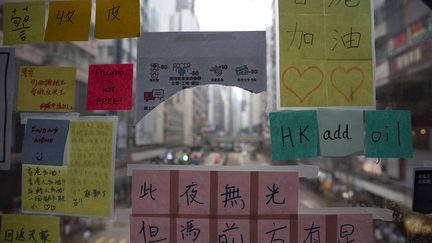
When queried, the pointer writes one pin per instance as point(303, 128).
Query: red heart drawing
point(301, 74)
point(349, 97)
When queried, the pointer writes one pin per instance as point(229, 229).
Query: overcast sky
point(233, 15)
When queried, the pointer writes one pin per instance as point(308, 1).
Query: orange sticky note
point(68, 20)
point(117, 19)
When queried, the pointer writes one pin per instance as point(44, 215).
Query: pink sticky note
point(233, 193)
point(233, 230)
point(273, 231)
point(150, 192)
point(110, 87)
point(193, 230)
point(149, 229)
point(194, 192)
point(278, 193)
point(354, 227)
point(311, 228)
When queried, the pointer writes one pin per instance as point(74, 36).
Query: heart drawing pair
point(319, 80)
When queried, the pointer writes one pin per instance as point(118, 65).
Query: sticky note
point(277, 192)
point(44, 142)
point(341, 132)
point(303, 83)
point(193, 230)
point(149, 228)
point(303, 35)
point(354, 226)
point(151, 192)
point(117, 19)
point(233, 230)
point(301, 7)
point(388, 134)
point(350, 83)
point(347, 6)
point(46, 89)
point(68, 20)
point(294, 134)
point(110, 87)
point(194, 192)
point(422, 197)
point(347, 37)
point(325, 54)
point(24, 22)
point(274, 230)
point(29, 228)
point(7, 91)
point(312, 228)
point(89, 188)
point(43, 188)
point(238, 184)
point(170, 62)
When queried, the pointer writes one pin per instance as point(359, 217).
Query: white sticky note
point(170, 62)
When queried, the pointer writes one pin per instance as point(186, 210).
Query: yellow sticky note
point(46, 89)
point(43, 188)
point(117, 19)
point(301, 6)
point(303, 84)
point(349, 83)
point(347, 6)
point(23, 23)
point(301, 36)
point(348, 37)
point(89, 184)
point(68, 20)
point(29, 228)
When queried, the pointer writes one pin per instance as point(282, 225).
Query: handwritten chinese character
point(223, 238)
point(9, 235)
point(44, 236)
point(313, 234)
point(153, 230)
point(20, 23)
point(273, 232)
point(190, 231)
point(147, 191)
point(190, 194)
point(69, 16)
point(348, 40)
point(346, 230)
point(20, 235)
point(305, 38)
point(348, 3)
point(271, 196)
point(231, 195)
point(113, 13)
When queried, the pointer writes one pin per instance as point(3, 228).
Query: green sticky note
point(350, 83)
point(294, 134)
point(301, 36)
point(341, 132)
point(23, 23)
point(388, 134)
point(348, 37)
point(301, 6)
point(347, 6)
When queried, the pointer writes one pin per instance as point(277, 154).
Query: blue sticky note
point(388, 134)
point(341, 132)
point(294, 134)
point(44, 142)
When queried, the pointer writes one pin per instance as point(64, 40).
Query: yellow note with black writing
point(117, 19)
point(68, 20)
